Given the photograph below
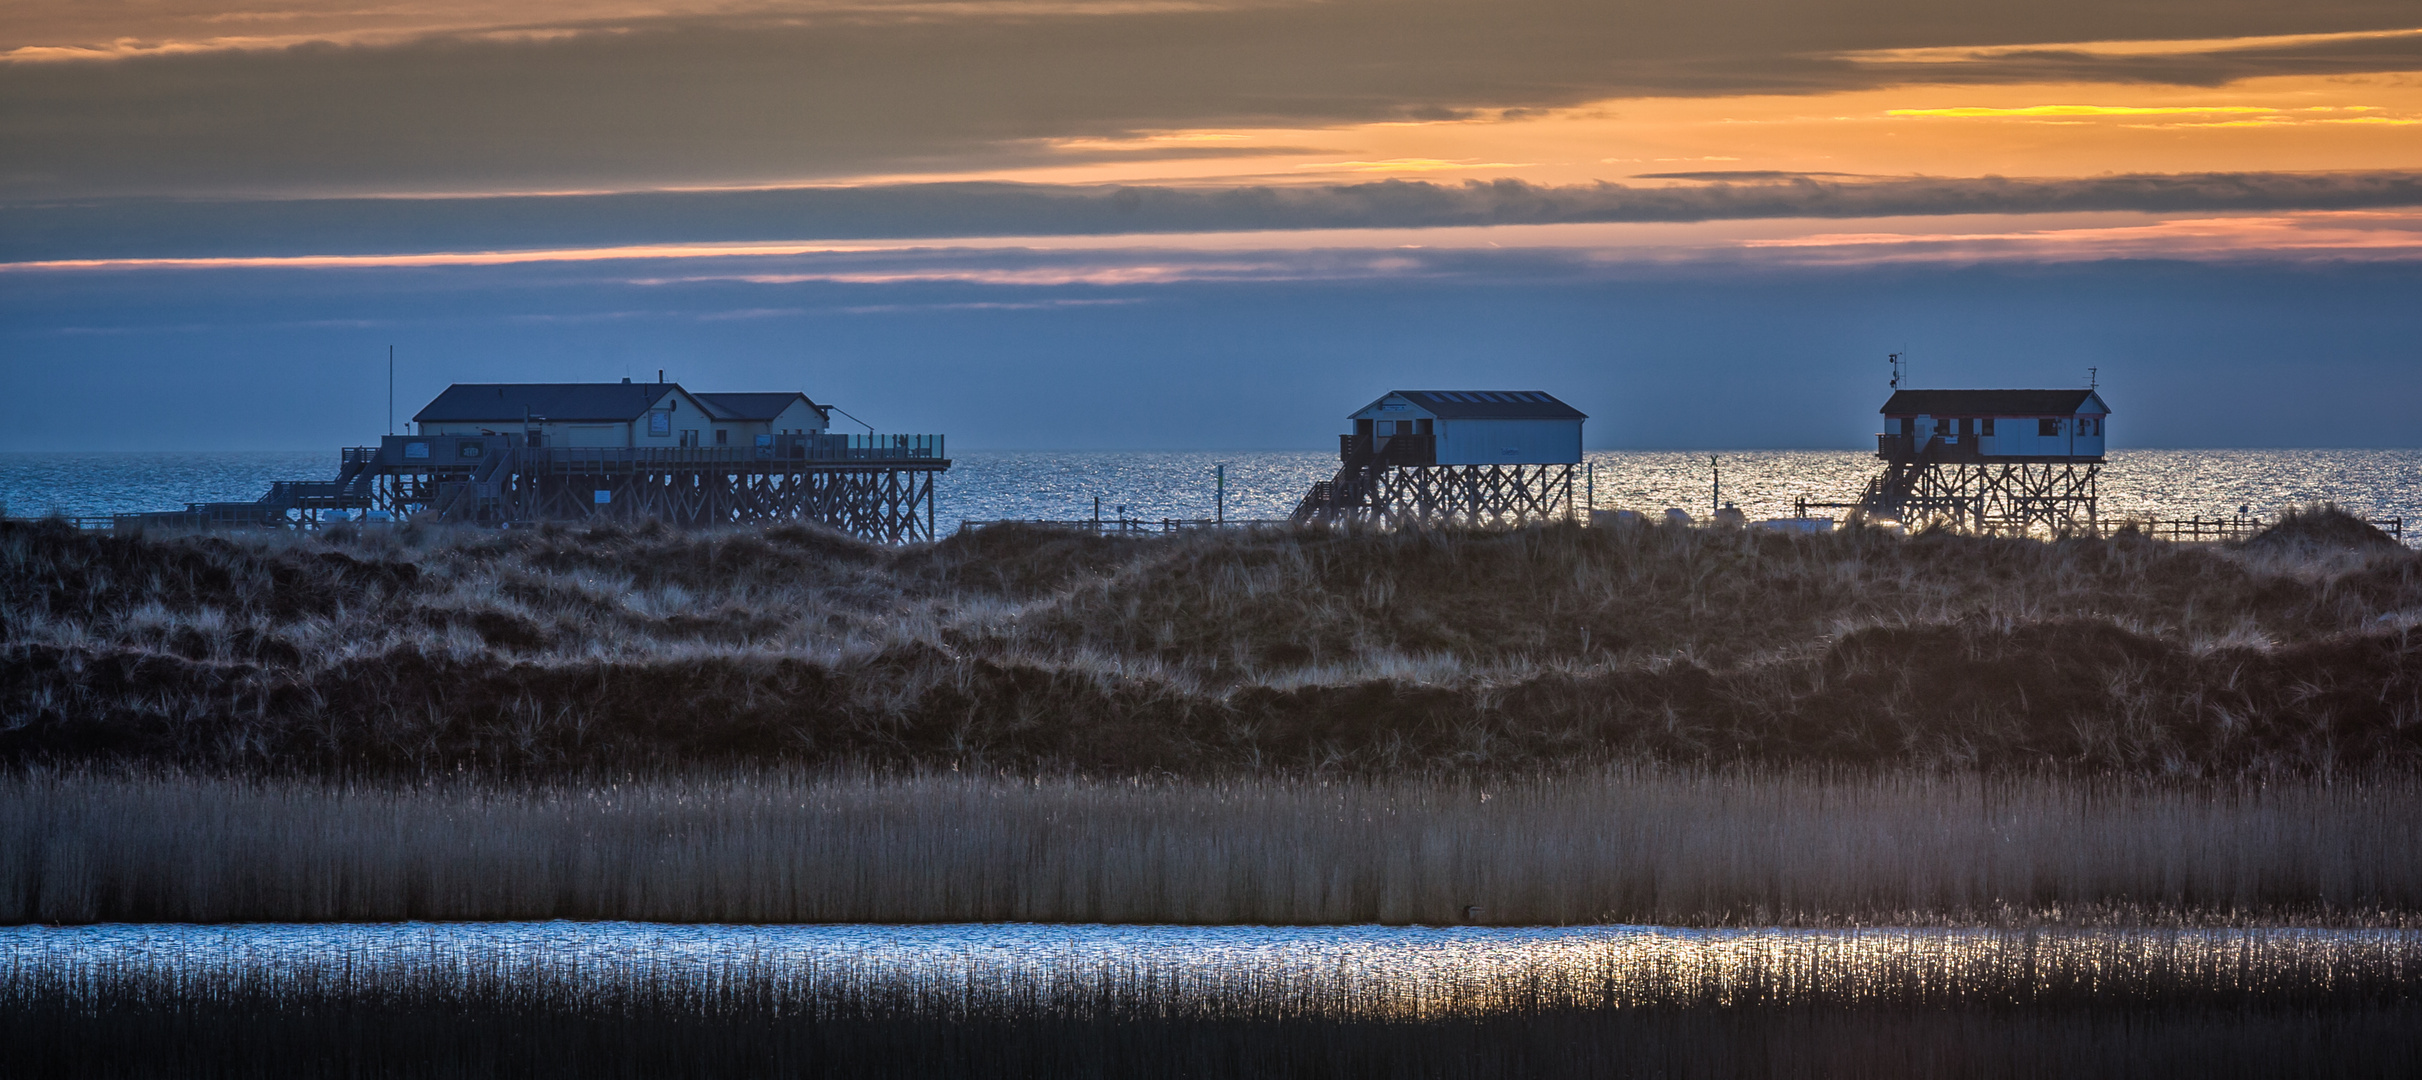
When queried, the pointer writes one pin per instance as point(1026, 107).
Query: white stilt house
point(625, 414)
point(1994, 461)
point(1453, 456)
point(1478, 427)
point(2001, 425)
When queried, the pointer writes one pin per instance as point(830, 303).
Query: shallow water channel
point(1350, 970)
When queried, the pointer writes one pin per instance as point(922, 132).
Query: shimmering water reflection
point(1353, 970)
point(1151, 485)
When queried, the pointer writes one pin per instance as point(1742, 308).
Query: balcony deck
point(1958, 450)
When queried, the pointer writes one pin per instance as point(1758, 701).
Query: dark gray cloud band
point(204, 229)
point(714, 101)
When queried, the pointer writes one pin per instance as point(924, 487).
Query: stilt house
point(1468, 427)
point(624, 414)
point(1993, 425)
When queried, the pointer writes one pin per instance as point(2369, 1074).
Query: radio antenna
point(1896, 369)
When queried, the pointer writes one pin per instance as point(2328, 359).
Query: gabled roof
point(509, 402)
point(1993, 403)
point(1485, 404)
point(754, 406)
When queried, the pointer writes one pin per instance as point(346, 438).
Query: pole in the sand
point(1097, 513)
point(1591, 486)
point(1716, 502)
point(1219, 488)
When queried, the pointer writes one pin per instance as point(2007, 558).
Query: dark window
point(1942, 426)
point(1362, 428)
point(1422, 427)
point(1967, 426)
point(2047, 427)
point(1985, 426)
point(723, 437)
point(1908, 425)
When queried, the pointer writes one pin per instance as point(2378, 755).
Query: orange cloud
point(2087, 110)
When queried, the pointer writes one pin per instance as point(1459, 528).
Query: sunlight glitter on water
point(1152, 485)
point(1365, 970)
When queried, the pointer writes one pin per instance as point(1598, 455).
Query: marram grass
point(1623, 845)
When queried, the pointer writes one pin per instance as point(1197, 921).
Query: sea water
point(1151, 485)
point(1363, 969)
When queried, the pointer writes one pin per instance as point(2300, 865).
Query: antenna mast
point(2093, 378)
point(390, 389)
point(1896, 369)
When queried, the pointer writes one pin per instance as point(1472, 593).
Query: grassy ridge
point(557, 651)
point(1624, 845)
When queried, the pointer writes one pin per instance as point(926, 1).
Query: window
point(1942, 426)
point(1967, 426)
point(689, 437)
point(660, 422)
point(2047, 427)
point(1422, 427)
point(1985, 427)
point(723, 436)
point(1908, 425)
point(2089, 425)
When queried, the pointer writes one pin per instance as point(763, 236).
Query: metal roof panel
point(1489, 404)
point(1991, 403)
point(510, 402)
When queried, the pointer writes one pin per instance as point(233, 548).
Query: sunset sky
point(1193, 223)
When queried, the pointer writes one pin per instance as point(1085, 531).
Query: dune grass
point(554, 651)
point(1626, 845)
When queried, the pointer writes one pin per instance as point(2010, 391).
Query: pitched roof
point(509, 402)
point(1488, 404)
point(1991, 402)
point(754, 406)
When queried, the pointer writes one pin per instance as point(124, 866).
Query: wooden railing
point(1128, 524)
point(2215, 529)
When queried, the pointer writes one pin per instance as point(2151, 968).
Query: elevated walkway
point(876, 486)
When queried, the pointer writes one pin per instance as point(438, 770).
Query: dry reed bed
point(232, 1028)
point(1629, 845)
point(1979, 1004)
point(618, 968)
point(554, 651)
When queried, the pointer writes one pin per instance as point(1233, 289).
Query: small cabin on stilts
point(1459, 456)
point(1992, 461)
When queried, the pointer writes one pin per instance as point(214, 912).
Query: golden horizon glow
point(2117, 49)
point(1958, 127)
point(2337, 123)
